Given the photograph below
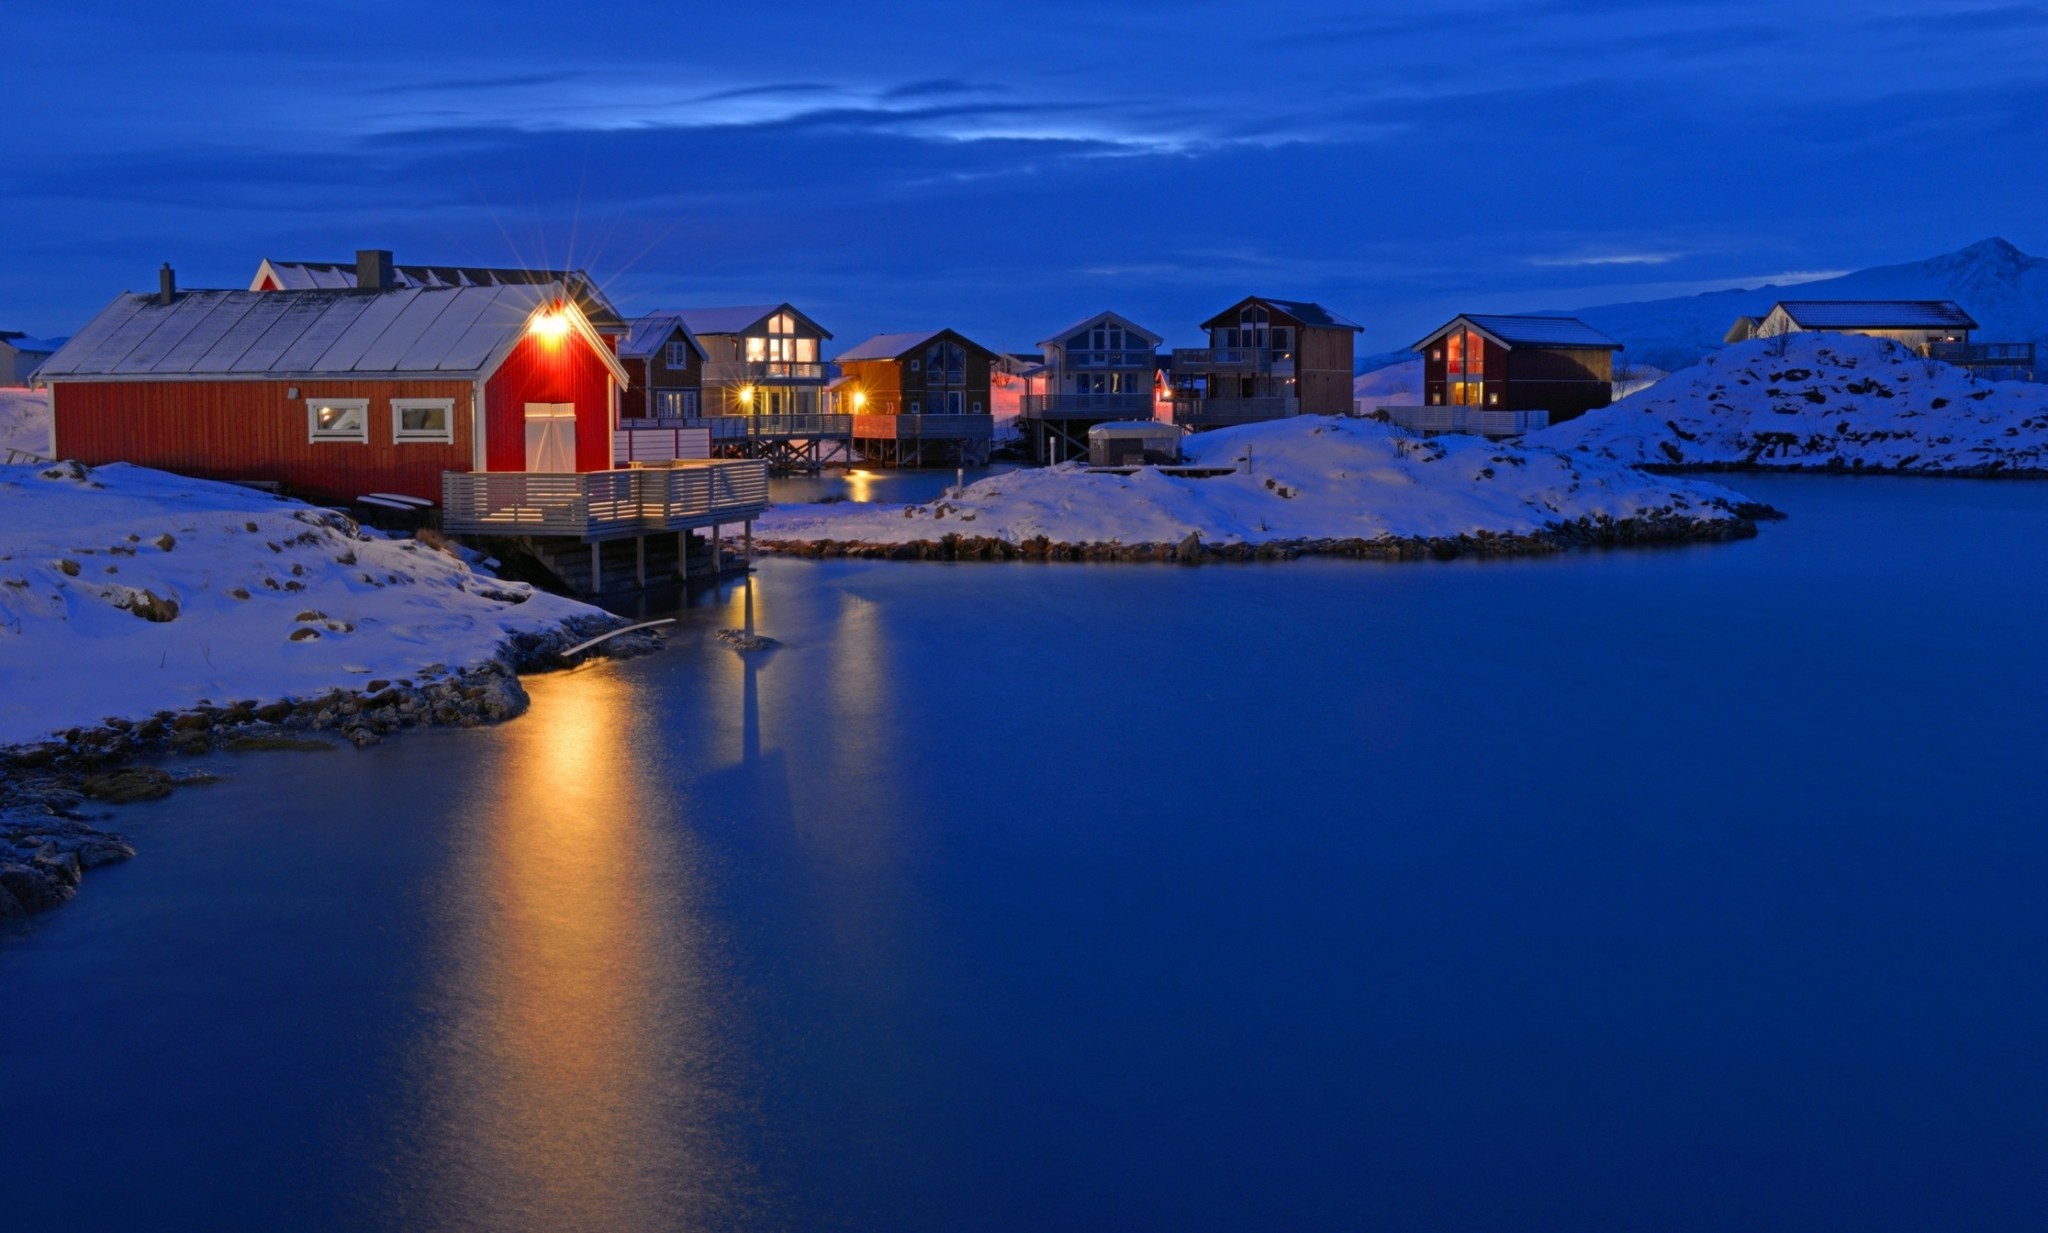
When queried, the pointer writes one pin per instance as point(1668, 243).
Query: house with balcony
point(1266, 360)
point(498, 403)
point(763, 386)
point(1502, 374)
point(918, 399)
point(1916, 323)
point(1098, 370)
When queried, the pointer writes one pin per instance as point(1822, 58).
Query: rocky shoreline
point(1642, 531)
point(46, 843)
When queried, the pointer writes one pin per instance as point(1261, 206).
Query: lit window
point(338, 419)
point(423, 419)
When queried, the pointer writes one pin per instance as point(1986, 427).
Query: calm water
point(881, 484)
point(1686, 890)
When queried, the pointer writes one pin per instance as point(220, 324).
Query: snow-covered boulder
point(1835, 401)
point(126, 591)
point(1312, 484)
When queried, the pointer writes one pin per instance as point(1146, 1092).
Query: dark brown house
point(918, 399)
point(1509, 363)
point(1266, 359)
point(664, 366)
point(760, 359)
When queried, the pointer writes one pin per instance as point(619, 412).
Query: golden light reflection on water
point(570, 1085)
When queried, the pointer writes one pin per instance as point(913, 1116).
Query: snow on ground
point(125, 591)
point(1311, 477)
point(1820, 400)
point(24, 421)
point(1396, 385)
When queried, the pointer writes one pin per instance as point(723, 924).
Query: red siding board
point(540, 370)
point(251, 430)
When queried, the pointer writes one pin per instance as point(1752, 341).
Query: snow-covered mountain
point(2005, 289)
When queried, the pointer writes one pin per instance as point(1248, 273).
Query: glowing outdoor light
point(552, 325)
point(746, 393)
point(860, 399)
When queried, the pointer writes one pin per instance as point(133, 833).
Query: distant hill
point(2003, 288)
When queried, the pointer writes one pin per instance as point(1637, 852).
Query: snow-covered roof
point(1877, 314)
point(650, 332)
point(890, 346)
point(1527, 331)
point(419, 332)
point(338, 275)
point(1307, 313)
point(22, 342)
point(739, 318)
point(1059, 337)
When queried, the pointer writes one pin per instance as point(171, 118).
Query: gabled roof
point(1877, 314)
point(1059, 337)
point(1302, 311)
point(421, 333)
point(35, 346)
point(739, 319)
point(648, 334)
point(339, 275)
point(897, 346)
point(1521, 331)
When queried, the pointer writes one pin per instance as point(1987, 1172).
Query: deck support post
point(640, 560)
point(597, 567)
point(717, 554)
point(747, 542)
point(683, 555)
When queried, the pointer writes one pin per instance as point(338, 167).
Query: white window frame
point(317, 436)
point(444, 436)
point(679, 355)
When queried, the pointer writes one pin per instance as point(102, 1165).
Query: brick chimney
point(166, 285)
point(373, 269)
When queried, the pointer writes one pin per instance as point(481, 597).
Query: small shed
point(1128, 443)
point(21, 355)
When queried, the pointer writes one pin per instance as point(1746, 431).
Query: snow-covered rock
point(1310, 478)
point(1820, 400)
point(126, 591)
point(24, 422)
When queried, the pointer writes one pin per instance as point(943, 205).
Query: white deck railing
point(1473, 421)
point(604, 504)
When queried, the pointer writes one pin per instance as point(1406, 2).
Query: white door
point(551, 437)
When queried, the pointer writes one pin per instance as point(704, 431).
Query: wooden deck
point(599, 505)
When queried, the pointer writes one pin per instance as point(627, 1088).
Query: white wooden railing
point(1475, 421)
point(604, 504)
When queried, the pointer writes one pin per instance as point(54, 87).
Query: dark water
point(1686, 890)
point(889, 486)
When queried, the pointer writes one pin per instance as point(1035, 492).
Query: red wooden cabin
point(1518, 363)
point(336, 393)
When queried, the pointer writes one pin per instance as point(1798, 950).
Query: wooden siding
point(1322, 370)
point(542, 370)
point(646, 375)
point(251, 430)
point(1565, 381)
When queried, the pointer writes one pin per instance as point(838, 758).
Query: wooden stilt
point(597, 567)
point(683, 555)
point(640, 561)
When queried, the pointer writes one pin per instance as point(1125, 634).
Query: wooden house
point(1497, 362)
point(760, 359)
point(1918, 324)
point(918, 399)
point(1100, 369)
point(373, 269)
point(333, 394)
point(500, 402)
point(1266, 359)
point(664, 366)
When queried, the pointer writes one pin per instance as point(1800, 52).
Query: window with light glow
point(338, 419)
point(423, 420)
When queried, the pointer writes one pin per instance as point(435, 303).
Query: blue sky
point(1004, 168)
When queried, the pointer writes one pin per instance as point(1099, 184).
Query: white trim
point(361, 406)
point(476, 427)
point(446, 435)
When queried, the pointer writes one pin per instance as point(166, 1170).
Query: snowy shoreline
point(1311, 486)
point(145, 616)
